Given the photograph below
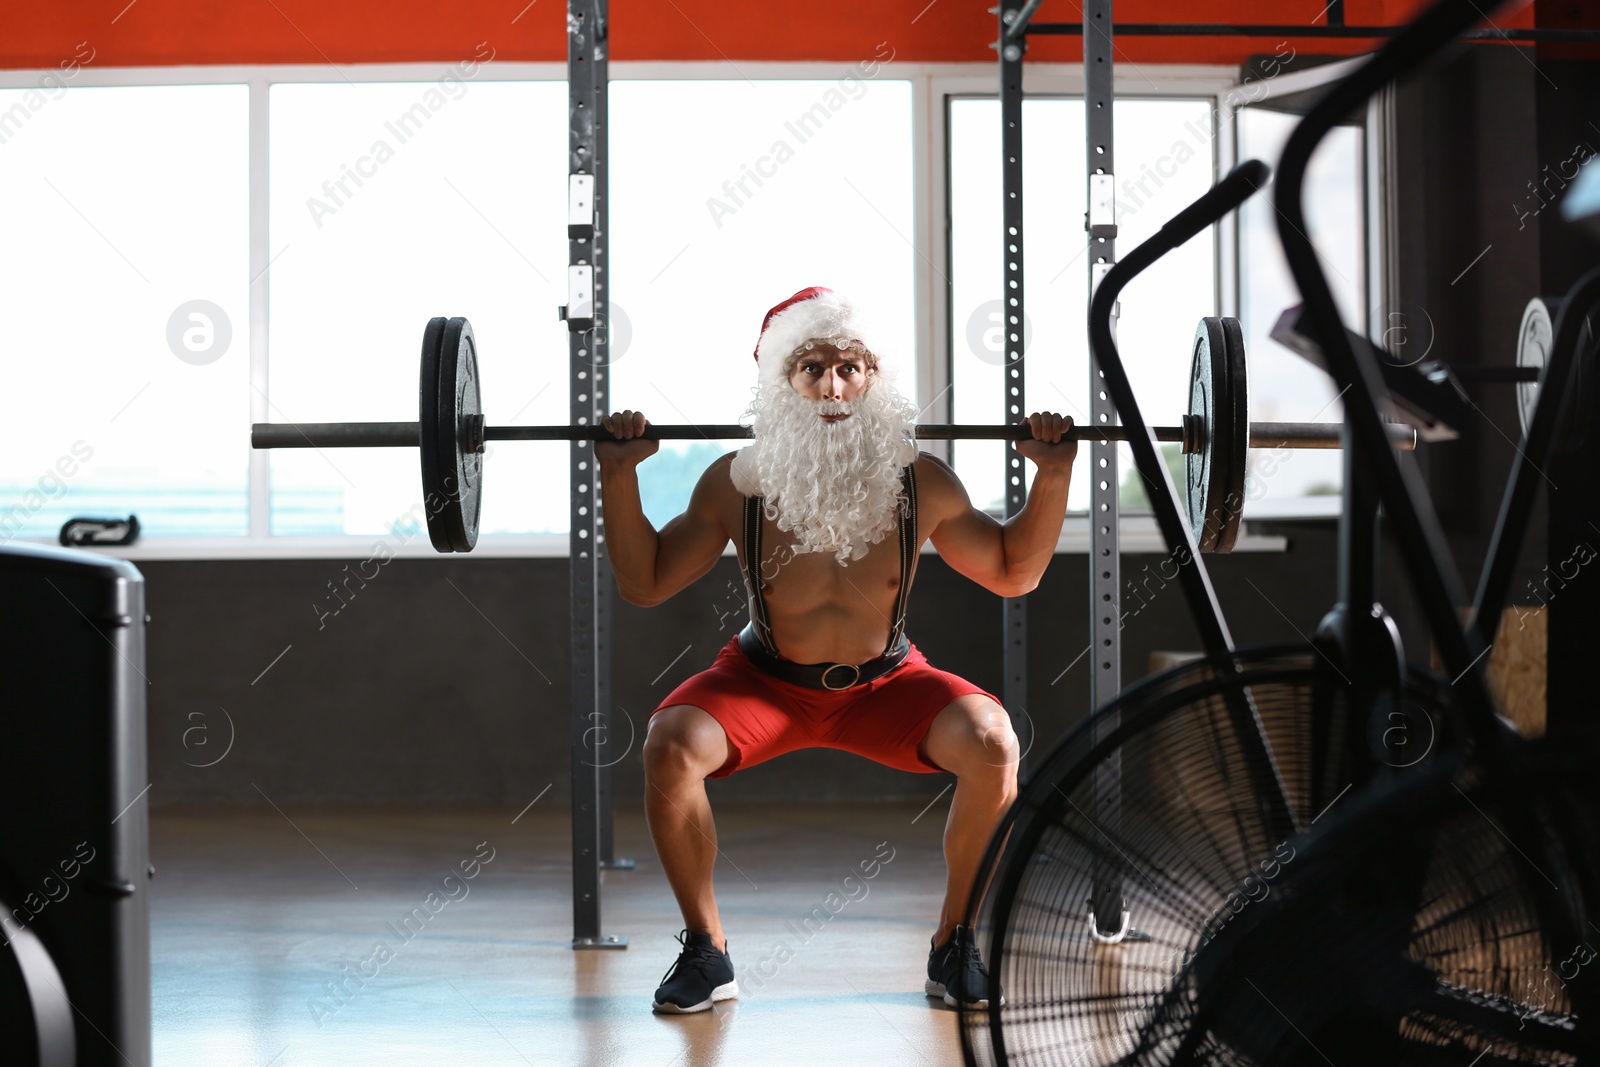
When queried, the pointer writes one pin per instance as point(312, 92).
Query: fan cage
point(1191, 844)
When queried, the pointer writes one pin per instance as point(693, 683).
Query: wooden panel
point(1517, 671)
point(1517, 668)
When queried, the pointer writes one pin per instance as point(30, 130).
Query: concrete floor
point(256, 912)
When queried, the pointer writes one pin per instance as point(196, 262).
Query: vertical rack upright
point(1105, 569)
point(1014, 610)
point(1100, 224)
point(585, 313)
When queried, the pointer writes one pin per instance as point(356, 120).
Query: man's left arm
point(1009, 558)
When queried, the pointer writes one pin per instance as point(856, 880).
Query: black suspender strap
point(908, 554)
point(753, 506)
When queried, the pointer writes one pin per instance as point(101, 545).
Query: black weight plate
point(1214, 480)
point(1207, 384)
point(459, 402)
point(1234, 464)
point(435, 493)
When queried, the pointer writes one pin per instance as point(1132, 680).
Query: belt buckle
point(848, 684)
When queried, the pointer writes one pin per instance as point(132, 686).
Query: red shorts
point(884, 720)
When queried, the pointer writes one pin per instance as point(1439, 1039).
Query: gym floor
point(256, 911)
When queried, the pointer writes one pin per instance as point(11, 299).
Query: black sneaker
point(702, 976)
point(956, 972)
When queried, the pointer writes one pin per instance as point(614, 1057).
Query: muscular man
point(828, 508)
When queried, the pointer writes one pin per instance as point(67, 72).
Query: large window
point(123, 287)
point(187, 258)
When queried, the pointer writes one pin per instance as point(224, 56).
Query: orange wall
point(175, 32)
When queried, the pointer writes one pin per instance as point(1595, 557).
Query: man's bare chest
point(789, 578)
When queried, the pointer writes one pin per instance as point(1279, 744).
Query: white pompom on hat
point(815, 315)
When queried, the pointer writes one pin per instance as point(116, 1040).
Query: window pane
point(1284, 387)
point(125, 207)
point(393, 203)
point(726, 198)
point(1165, 161)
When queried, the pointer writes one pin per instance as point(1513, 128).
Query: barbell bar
point(451, 434)
point(406, 434)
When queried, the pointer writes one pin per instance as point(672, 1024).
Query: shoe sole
point(726, 991)
point(936, 989)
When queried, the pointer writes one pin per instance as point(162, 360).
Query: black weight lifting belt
point(755, 640)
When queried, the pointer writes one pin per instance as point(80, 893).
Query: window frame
point(932, 85)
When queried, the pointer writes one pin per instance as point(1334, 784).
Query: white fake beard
point(834, 485)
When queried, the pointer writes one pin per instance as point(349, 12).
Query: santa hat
point(812, 316)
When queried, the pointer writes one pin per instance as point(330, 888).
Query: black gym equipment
point(449, 432)
point(75, 866)
point(1214, 475)
point(81, 530)
point(1438, 908)
point(34, 1009)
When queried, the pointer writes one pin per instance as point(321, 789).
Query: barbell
point(451, 433)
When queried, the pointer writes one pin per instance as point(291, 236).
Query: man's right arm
point(649, 566)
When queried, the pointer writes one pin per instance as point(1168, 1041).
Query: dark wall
point(1465, 150)
point(446, 680)
point(1569, 132)
point(1488, 144)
